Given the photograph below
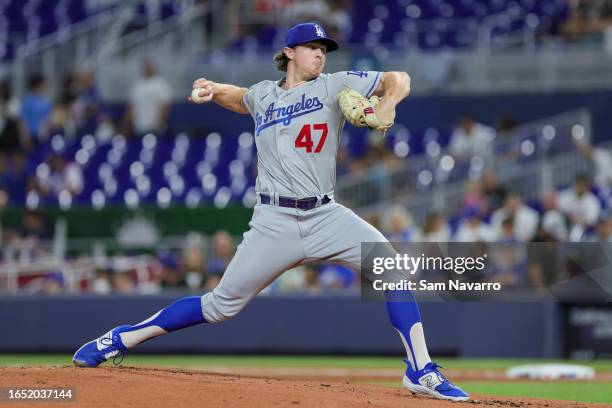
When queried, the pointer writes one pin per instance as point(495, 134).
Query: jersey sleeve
point(364, 82)
point(249, 99)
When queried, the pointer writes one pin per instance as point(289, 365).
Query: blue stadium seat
point(388, 18)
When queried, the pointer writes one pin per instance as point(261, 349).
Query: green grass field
point(587, 391)
point(557, 390)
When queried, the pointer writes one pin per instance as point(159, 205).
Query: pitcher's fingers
point(199, 83)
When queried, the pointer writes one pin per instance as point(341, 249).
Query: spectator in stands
point(124, 282)
point(47, 284)
point(85, 105)
point(399, 226)
point(380, 158)
point(505, 123)
point(580, 205)
point(102, 285)
point(3, 202)
point(34, 226)
point(435, 229)
point(311, 279)
point(193, 261)
point(61, 121)
point(493, 192)
point(171, 274)
point(13, 136)
point(62, 176)
point(602, 232)
point(4, 173)
point(507, 235)
point(310, 282)
point(506, 150)
point(602, 161)
point(374, 220)
point(68, 89)
point(470, 139)
point(474, 197)
point(543, 262)
point(17, 178)
point(604, 227)
point(11, 104)
point(507, 258)
point(588, 18)
point(223, 249)
point(31, 235)
point(78, 110)
point(553, 220)
point(473, 229)
point(53, 284)
point(301, 279)
point(336, 277)
point(507, 263)
point(526, 219)
point(36, 108)
point(149, 104)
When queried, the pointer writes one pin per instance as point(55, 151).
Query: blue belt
point(307, 203)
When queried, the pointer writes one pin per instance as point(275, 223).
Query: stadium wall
point(175, 220)
point(321, 325)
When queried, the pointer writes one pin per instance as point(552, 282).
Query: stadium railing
point(530, 181)
point(431, 181)
point(76, 46)
point(183, 33)
point(74, 263)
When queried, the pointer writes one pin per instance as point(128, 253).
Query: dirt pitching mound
point(106, 387)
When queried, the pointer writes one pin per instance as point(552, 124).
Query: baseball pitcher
point(298, 124)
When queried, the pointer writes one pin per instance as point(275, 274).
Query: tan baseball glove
point(359, 111)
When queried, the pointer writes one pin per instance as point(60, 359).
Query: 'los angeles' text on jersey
point(285, 114)
point(297, 132)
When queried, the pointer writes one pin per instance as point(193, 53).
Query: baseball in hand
point(195, 95)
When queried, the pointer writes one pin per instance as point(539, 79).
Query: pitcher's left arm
point(394, 86)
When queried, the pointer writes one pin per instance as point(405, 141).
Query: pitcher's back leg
point(339, 239)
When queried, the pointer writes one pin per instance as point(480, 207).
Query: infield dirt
point(106, 387)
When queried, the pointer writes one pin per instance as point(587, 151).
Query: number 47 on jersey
point(304, 138)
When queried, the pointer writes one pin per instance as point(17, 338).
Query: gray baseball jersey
point(297, 132)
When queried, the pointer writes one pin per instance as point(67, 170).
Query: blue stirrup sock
point(405, 317)
point(401, 306)
point(182, 313)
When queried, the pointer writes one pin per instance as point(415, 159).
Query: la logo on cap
point(319, 31)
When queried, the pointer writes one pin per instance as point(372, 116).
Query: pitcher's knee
point(217, 308)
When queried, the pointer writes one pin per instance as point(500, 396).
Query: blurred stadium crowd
point(65, 150)
point(396, 24)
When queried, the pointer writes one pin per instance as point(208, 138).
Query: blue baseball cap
point(307, 32)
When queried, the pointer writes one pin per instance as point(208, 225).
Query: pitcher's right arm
point(228, 96)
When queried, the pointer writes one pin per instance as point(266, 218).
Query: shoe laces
point(435, 367)
point(113, 341)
